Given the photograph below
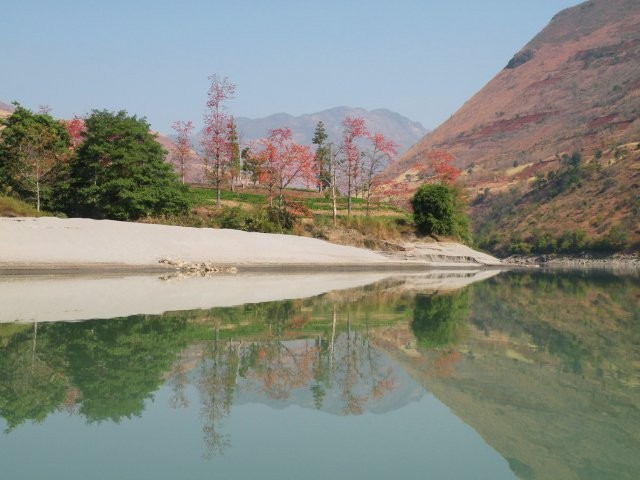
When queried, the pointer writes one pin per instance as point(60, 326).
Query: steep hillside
point(393, 125)
point(574, 88)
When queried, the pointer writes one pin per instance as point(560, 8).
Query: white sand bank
point(51, 242)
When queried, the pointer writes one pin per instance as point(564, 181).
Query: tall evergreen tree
point(119, 171)
point(322, 157)
point(235, 164)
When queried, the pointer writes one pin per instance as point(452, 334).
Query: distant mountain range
point(398, 128)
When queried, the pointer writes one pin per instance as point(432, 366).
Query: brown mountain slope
point(574, 88)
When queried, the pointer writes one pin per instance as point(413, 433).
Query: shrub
point(438, 210)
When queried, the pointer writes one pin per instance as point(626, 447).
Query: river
point(483, 375)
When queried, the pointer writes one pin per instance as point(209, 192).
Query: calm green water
point(519, 376)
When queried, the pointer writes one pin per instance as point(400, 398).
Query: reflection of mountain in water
point(548, 372)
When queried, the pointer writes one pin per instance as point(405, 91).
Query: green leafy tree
point(438, 210)
point(119, 171)
point(32, 377)
point(322, 157)
point(32, 146)
point(118, 364)
point(250, 165)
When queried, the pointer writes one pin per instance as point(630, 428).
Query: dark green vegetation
point(438, 210)
point(439, 320)
point(117, 171)
point(578, 206)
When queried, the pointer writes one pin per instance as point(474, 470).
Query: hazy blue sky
point(421, 58)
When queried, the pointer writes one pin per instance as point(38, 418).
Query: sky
point(420, 58)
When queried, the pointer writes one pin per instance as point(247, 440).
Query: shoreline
point(65, 246)
point(611, 262)
point(115, 269)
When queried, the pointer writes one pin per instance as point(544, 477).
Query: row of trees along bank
point(109, 165)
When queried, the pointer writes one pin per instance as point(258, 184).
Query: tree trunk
point(334, 202)
point(38, 196)
point(349, 194)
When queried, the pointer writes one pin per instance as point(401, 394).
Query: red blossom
point(75, 128)
point(283, 162)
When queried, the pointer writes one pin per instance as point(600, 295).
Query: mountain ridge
point(557, 132)
point(556, 100)
point(402, 130)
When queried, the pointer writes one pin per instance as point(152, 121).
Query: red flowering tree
point(284, 162)
point(440, 163)
point(75, 128)
point(215, 140)
point(382, 151)
point(355, 129)
point(182, 148)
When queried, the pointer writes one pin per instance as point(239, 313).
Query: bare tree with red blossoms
point(182, 149)
point(355, 128)
point(381, 153)
point(215, 140)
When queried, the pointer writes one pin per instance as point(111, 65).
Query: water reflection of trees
point(107, 370)
point(102, 370)
point(345, 362)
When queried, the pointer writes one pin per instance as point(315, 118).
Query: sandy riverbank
point(65, 245)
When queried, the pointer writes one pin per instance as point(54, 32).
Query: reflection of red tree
point(281, 368)
point(383, 386)
point(443, 364)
